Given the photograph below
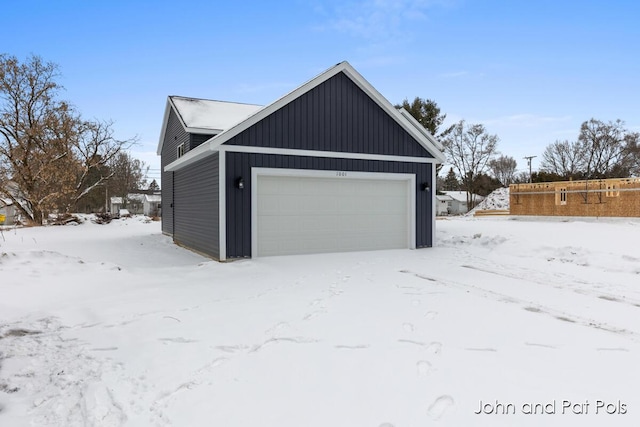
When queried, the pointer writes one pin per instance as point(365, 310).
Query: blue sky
point(530, 71)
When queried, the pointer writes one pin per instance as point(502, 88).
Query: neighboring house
point(135, 203)
point(115, 204)
point(332, 166)
point(615, 197)
point(443, 204)
point(8, 212)
point(458, 203)
point(151, 204)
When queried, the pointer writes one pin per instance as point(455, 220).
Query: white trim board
point(180, 163)
point(328, 154)
point(256, 172)
point(222, 205)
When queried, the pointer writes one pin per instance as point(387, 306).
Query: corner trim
point(222, 205)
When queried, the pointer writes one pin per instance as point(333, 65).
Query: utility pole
point(529, 160)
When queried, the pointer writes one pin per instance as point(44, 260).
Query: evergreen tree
point(427, 113)
point(451, 182)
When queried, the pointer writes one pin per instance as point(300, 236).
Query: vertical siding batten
point(320, 124)
point(196, 206)
point(174, 136)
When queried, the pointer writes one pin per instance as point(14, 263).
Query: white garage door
point(298, 215)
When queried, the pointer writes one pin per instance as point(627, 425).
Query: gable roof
point(427, 141)
point(204, 116)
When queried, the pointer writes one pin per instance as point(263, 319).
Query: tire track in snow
point(526, 275)
point(527, 305)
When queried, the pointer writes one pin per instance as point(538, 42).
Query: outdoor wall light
point(240, 183)
point(425, 186)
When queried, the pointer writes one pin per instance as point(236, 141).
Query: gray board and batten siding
point(174, 136)
point(334, 116)
point(196, 207)
point(238, 207)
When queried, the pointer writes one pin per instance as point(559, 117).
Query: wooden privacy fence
point(616, 197)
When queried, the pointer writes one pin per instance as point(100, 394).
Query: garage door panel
point(298, 215)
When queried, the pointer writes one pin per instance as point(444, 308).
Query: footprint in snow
point(280, 326)
point(313, 314)
point(408, 327)
point(431, 315)
point(423, 367)
point(434, 348)
point(440, 406)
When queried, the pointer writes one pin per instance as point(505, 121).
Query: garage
point(298, 212)
point(331, 166)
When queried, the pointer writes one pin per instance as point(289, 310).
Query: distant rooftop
point(461, 196)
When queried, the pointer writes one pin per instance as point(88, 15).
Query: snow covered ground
point(109, 325)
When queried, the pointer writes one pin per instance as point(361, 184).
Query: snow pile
point(497, 200)
point(114, 325)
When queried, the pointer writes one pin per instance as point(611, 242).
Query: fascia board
point(204, 131)
point(198, 153)
point(163, 131)
point(393, 112)
point(422, 129)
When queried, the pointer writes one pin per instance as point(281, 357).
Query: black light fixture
point(240, 183)
point(425, 186)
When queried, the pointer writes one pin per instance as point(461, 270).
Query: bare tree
point(563, 158)
point(95, 148)
point(127, 174)
point(46, 150)
point(521, 177)
point(605, 149)
point(469, 148)
point(35, 128)
point(503, 169)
